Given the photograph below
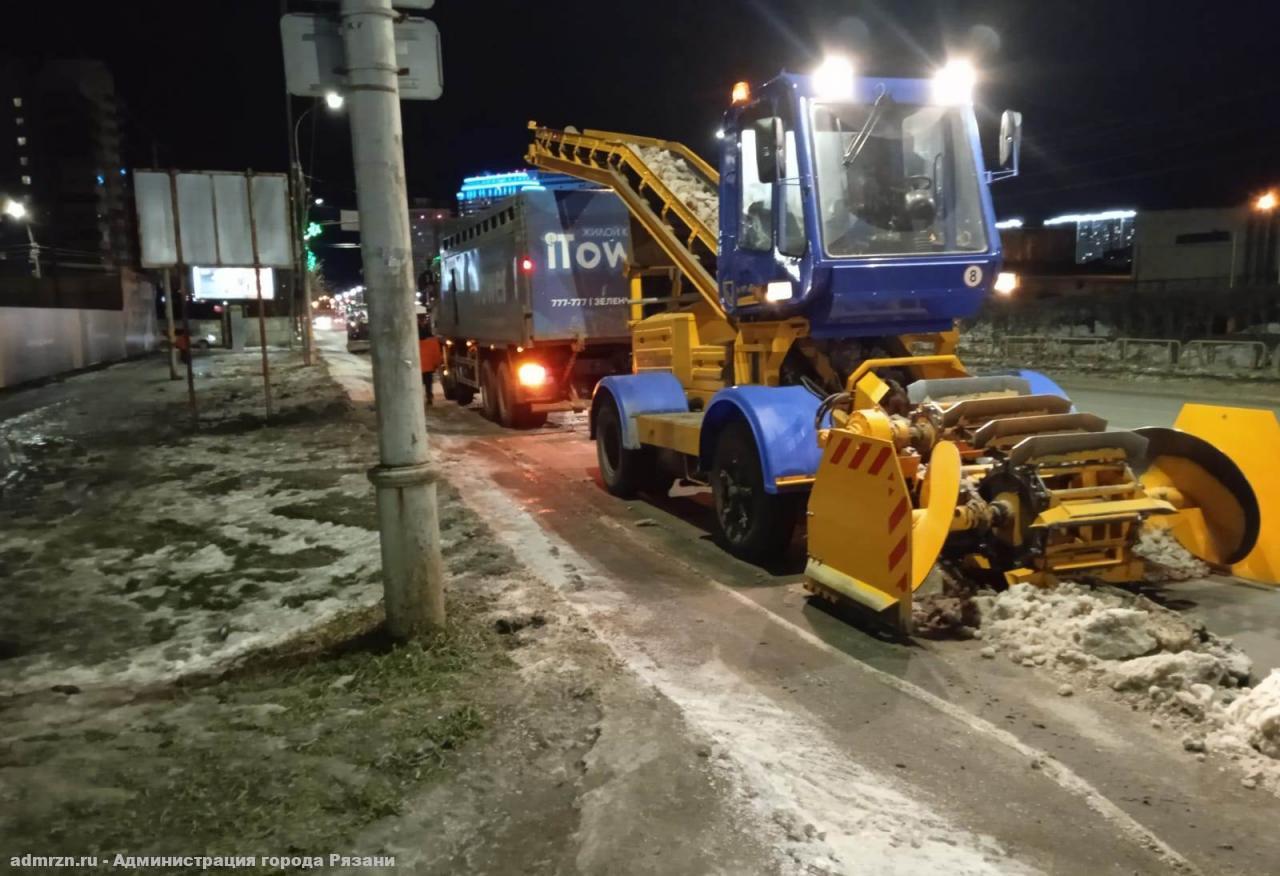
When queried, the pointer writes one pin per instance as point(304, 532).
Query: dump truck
point(794, 349)
point(533, 303)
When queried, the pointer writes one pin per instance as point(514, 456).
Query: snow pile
point(1167, 559)
point(685, 183)
point(1125, 641)
point(1153, 658)
point(1253, 720)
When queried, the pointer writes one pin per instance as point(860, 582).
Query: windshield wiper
point(855, 146)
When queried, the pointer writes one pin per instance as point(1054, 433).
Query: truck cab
point(858, 203)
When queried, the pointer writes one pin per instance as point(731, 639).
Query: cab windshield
point(896, 179)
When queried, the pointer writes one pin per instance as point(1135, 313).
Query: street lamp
point(333, 100)
point(17, 211)
point(1266, 202)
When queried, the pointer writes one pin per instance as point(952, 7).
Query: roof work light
point(833, 78)
point(953, 84)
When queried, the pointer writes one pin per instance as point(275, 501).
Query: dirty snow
point(685, 183)
point(174, 552)
point(1192, 681)
point(1167, 560)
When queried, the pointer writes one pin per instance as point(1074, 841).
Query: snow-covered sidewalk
point(138, 550)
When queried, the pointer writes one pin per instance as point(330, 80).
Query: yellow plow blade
point(1250, 438)
point(866, 543)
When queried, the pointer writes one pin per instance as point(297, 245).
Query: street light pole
point(302, 270)
point(412, 569)
point(302, 196)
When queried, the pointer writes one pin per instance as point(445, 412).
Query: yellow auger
point(1013, 486)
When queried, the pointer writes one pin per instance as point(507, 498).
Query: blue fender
point(651, 392)
point(781, 419)
point(1042, 384)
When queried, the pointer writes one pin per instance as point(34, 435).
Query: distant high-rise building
point(61, 158)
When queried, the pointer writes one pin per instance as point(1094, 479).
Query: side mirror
point(770, 154)
point(1010, 141)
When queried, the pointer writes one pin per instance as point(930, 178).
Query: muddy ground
point(192, 658)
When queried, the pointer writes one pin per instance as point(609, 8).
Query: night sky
point(1126, 103)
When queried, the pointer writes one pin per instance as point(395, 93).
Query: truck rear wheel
point(623, 471)
point(751, 523)
point(454, 391)
point(511, 413)
point(489, 391)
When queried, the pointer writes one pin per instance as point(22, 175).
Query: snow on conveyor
point(685, 183)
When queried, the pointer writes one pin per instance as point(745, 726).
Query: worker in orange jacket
point(429, 354)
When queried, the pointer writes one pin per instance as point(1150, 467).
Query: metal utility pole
point(168, 319)
point(412, 568)
point(262, 308)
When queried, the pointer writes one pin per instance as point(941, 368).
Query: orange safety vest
point(429, 354)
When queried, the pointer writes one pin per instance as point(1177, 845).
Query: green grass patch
point(295, 757)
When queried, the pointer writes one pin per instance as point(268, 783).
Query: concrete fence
point(40, 342)
point(1194, 356)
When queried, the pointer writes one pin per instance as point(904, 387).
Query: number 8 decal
point(972, 276)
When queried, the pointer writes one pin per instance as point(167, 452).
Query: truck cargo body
point(533, 303)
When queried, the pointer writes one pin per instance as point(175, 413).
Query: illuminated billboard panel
point(226, 284)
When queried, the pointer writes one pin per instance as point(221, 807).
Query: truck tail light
point(531, 374)
point(526, 265)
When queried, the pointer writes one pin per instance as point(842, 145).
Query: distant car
point(358, 334)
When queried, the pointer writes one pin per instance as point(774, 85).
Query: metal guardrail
point(1172, 348)
point(1206, 353)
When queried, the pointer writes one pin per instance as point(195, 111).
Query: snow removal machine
point(793, 336)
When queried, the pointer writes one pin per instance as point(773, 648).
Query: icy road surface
point(874, 754)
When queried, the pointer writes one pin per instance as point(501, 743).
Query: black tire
point(624, 472)
point(454, 391)
point(511, 413)
point(489, 391)
point(751, 524)
point(508, 410)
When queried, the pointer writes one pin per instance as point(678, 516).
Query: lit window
point(17, 120)
point(22, 141)
point(17, 101)
point(26, 180)
point(22, 159)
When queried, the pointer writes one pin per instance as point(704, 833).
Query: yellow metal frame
point(768, 344)
point(604, 157)
point(931, 367)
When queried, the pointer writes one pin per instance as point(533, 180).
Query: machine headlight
point(953, 84)
point(833, 79)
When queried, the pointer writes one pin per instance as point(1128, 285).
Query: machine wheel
point(624, 472)
point(750, 523)
point(463, 395)
point(511, 413)
point(489, 391)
